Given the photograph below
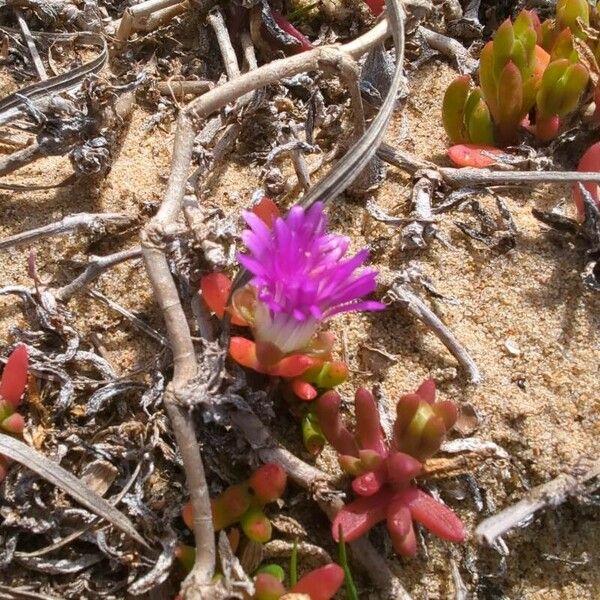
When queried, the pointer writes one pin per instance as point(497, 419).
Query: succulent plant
point(243, 503)
point(528, 70)
point(384, 470)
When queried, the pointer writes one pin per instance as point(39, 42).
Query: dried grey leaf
point(161, 569)
point(100, 397)
point(60, 566)
point(474, 444)
point(70, 484)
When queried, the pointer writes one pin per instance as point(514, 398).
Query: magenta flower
point(300, 277)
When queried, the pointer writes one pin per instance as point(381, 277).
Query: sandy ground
point(539, 403)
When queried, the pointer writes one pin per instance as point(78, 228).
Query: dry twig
point(583, 479)
point(400, 292)
point(95, 268)
point(90, 221)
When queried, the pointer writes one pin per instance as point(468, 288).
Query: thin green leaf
point(55, 474)
point(294, 565)
point(351, 593)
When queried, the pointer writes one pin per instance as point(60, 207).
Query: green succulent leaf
point(480, 125)
point(510, 96)
point(549, 95)
point(487, 80)
point(504, 41)
point(453, 109)
point(569, 12)
point(574, 82)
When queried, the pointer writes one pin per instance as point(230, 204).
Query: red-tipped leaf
point(268, 482)
point(268, 587)
point(328, 412)
point(401, 530)
point(369, 483)
point(437, 517)
point(369, 433)
point(14, 377)
point(322, 583)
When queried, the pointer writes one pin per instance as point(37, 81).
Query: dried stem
point(400, 292)
point(583, 479)
point(463, 177)
point(139, 17)
point(180, 89)
point(95, 268)
point(217, 22)
point(471, 177)
point(450, 47)
point(90, 221)
point(35, 55)
point(20, 158)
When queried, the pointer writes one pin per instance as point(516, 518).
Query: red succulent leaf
point(447, 411)
point(266, 210)
point(475, 155)
point(243, 351)
point(328, 413)
point(322, 583)
point(268, 482)
point(427, 391)
point(369, 483)
point(215, 288)
point(590, 161)
point(359, 516)
point(402, 468)
point(400, 528)
point(376, 6)
point(545, 129)
point(14, 377)
point(292, 366)
point(437, 517)
point(305, 43)
point(15, 423)
point(268, 587)
point(304, 390)
point(369, 433)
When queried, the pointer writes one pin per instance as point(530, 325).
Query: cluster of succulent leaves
point(243, 503)
point(384, 470)
point(12, 386)
point(532, 75)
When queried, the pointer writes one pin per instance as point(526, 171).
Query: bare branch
point(90, 221)
point(217, 22)
point(400, 292)
point(95, 268)
point(583, 479)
